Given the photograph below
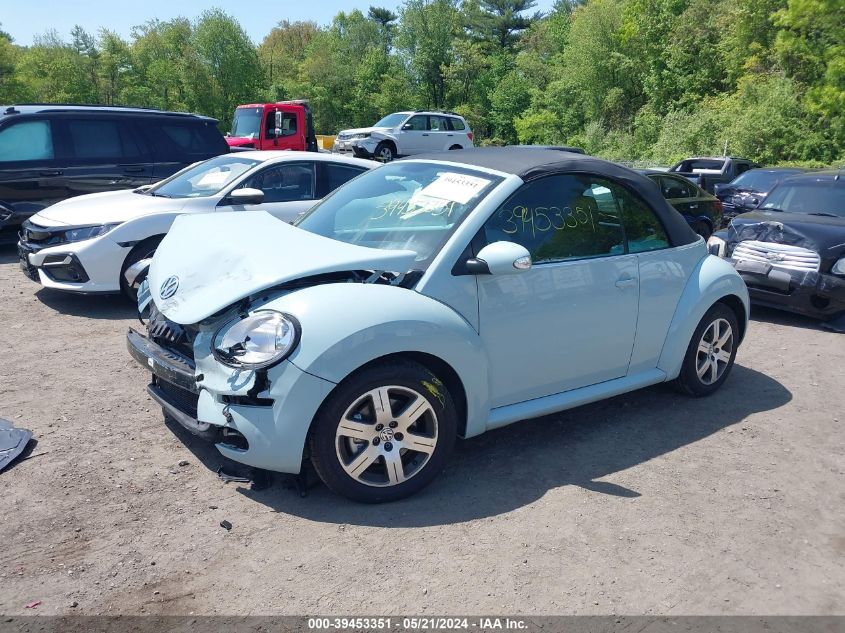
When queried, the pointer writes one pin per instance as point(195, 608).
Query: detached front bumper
point(266, 429)
point(813, 294)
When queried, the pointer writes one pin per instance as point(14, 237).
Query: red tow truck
point(273, 126)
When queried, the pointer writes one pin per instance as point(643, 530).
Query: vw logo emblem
point(386, 435)
point(169, 287)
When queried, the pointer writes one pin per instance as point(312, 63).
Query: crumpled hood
point(105, 208)
point(214, 260)
point(821, 234)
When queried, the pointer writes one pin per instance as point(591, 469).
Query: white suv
point(404, 134)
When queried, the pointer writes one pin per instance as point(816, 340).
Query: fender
point(345, 326)
point(712, 280)
point(140, 228)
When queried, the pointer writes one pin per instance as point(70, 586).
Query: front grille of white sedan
point(781, 256)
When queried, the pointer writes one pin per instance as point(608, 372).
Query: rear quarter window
point(176, 140)
point(26, 140)
point(457, 124)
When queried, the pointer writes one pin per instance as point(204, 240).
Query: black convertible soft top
point(530, 163)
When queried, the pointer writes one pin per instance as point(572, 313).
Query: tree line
point(627, 79)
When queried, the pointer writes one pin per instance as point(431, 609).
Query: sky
point(24, 20)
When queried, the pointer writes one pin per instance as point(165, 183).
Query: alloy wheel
point(714, 351)
point(386, 436)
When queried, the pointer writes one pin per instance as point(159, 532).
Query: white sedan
point(85, 244)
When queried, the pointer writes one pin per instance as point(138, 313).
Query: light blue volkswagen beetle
point(431, 298)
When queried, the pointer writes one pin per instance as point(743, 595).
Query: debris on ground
point(33, 605)
point(13, 442)
point(258, 478)
point(225, 525)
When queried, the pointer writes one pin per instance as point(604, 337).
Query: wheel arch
point(437, 366)
point(713, 280)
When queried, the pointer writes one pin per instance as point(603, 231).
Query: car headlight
point(839, 267)
point(260, 340)
point(88, 232)
point(362, 135)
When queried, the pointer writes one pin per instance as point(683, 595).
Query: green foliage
point(652, 80)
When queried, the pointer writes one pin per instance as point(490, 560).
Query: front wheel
point(384, 152)
point(711, 352)
point(385, 433)
point(143, 250)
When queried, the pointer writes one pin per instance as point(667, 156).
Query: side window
point(98, 139)
point(741, 167)
point(642, 227)
point(456, 124)
point(176, 141)
point(27, 140)
point(417, 123)
point(288, 124)
point(284, 182)
point(674, 188)
point(557, 218)
point(438, 124)
point(337, 174)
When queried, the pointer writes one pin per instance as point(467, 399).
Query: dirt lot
point(648, 503)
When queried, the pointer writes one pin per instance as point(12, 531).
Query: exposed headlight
point(839, 267)
point(88, 232)
point(260, 340)
point(362, 135)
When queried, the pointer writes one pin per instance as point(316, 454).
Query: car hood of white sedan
point(105, 208)
point(208, 262)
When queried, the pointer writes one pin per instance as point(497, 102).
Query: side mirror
point(278, 124)
point(500, 258)
point(407, 126)
point(247, 195)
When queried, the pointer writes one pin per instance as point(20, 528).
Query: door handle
point(132, 170)
point(626, 282)
point(51, 172)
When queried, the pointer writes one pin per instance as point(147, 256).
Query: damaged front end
point(795, 264)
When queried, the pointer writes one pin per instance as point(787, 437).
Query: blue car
point(432, 298)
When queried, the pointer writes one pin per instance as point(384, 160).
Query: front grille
point(170, 335)
point(40, 237)
point(781, 256)
point(183, 400)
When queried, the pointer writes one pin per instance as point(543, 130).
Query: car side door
point(30, 173)
point(413, 136)
point(569, 321)
point(102, 154)
point(439, 133)
point(289, 189)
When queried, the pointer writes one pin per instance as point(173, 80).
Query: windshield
point(809, 197)
point(247, 122)
point(402, 206)
point(760, 180)
point(392, 120)
point(204, 179)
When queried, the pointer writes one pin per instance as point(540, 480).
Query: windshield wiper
point(823, 214)
point(773, 209)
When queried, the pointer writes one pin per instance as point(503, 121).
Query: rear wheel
point(385, 433)
point(142, 250)
point(711, 352)
point(455, 147)
point(384, 152)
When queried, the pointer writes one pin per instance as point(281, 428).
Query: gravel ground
point(649, 503)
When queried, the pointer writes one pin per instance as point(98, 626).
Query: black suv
point(50, 152)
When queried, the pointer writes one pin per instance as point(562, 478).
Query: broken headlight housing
point(257, 341)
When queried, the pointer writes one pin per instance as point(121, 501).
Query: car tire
point(374, 453)
point(384, 152)
point(142, 250)
point(711, 352)
point(455, 147)
point(703, 229)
